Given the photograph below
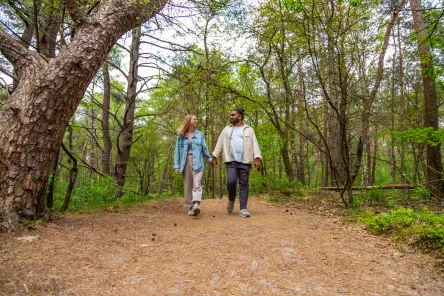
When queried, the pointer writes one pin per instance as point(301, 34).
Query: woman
point(188, 161)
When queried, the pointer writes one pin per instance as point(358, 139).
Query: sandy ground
point(156, 249)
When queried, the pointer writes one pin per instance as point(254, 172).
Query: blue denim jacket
point(199, 149)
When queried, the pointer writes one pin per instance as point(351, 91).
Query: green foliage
point(293, 5)
point(427, 135)
point(419, 226)
point(97, 195)
point(279, 189)
point(419, 192)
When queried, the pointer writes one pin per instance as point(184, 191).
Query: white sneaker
point(195, 210)
point(244, 213)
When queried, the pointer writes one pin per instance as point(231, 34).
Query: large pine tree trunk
point(434, 162)
point(34, 119)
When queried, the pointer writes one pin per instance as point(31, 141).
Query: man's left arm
point(256, 149)
point(256, 152)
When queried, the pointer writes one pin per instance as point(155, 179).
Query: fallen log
point(392, 186)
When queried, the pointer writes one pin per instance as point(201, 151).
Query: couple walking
point(240, 149)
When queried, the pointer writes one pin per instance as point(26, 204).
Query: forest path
point(156, 249)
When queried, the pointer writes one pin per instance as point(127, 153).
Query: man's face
point(235, 117)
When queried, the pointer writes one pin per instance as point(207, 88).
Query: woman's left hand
point(257, 163)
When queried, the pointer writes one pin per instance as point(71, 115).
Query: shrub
point(421, 225)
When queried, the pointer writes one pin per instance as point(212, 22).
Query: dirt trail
point(156, 249)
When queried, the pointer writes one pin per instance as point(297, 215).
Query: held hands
point(258, 163)
point(213, 162)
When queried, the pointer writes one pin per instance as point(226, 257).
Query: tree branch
point(76, 13)
point(7, 73)
point(19, 56)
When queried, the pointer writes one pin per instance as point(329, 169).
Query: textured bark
point(34, 119)
point(284, 133)
point(401, 107)
point(127, 132)
point(301, 164)
point(434, 163)
point(392, 118)
point(107, 143)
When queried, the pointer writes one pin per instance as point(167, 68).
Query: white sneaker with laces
point(244, 213)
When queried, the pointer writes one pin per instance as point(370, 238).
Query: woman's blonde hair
point(186, 123)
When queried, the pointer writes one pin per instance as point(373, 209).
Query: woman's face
point(193, 121)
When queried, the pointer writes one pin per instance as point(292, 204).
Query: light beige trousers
point(192, 183)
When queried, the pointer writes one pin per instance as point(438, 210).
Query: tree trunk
point(127, 132)
point(72, 179)
point(51, 183)
point(368, 102)
point(34, 119)
point(375, 153)
point(107, 144)
point(165, 169)
point(392, 106)
point(301, 164)
point(435, 180)
point(402, 108)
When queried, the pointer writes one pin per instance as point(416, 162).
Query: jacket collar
point(245, 125)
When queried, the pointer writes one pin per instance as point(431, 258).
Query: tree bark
point(435, 180)
point(401, 107)
point(107, 143)
point(34, 119)
point(301, 164)
point(127, 132)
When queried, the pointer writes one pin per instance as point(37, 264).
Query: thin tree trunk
point(127, 132)
point(72, 179)
point(392, 142)
point(221, 181)
point(107, 143)
point(375, 153)
point(301, 164)
point(402, 108)
point(51, 183)
point(435, 180)
point(92, 154)
point(163, 179)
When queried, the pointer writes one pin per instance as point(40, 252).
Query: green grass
point(98, 196)
point(420, 226)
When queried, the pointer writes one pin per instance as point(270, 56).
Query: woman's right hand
point(177, 171)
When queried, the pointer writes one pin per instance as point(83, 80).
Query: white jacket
point(251, 146)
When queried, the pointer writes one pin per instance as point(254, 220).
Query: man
point(240, 149)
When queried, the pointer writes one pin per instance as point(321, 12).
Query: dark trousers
point(237, 171)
